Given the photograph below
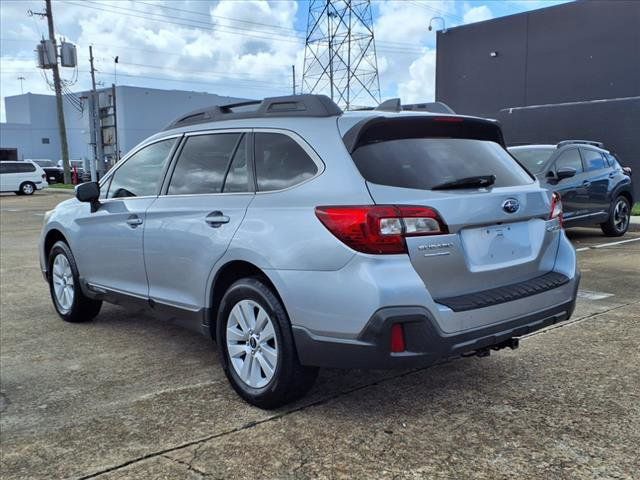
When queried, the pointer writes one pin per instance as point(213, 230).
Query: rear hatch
point(496, 214)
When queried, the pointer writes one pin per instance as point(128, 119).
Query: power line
point(393, 47)
point(444, 13)
point(222, 17)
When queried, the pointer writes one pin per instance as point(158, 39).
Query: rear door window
point(281, 162)
point(592, 160)
point(204, 162)
point(570, 159)
point(423, 163)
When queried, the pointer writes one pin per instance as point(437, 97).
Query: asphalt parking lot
point(127, 396)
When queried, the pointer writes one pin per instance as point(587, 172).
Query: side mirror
point(89, 192)
point(565, 172)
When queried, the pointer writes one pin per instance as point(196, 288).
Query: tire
point(618, 221)
point(27, 188)
point(73, 305)
point(241, 310)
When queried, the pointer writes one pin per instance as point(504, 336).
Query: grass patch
point(636, 209)
point(67, 186)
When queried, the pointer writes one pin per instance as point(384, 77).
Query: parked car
point(55, 174)
point(23, 178)
point(78, 164)
point(594, 188)
point(298, 236)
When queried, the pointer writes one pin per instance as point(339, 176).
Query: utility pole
point(293, 78)
point(98, 158)
point(58, 88)
point(21, 78)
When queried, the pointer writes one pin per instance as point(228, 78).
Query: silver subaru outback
point(298, 236)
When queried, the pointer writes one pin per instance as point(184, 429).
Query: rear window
point(423, 163)
point(532, 158)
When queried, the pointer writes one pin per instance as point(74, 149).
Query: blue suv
point(594, 187)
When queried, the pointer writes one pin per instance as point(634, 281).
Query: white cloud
point(477, 14)
point(406, 54)
point(196, 47)
point(420, 87)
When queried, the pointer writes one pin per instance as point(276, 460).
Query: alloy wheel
point(27, 189)
point(251, 343)
point(63, 285)
point(621, 215)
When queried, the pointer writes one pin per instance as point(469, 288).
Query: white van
point(23, 178)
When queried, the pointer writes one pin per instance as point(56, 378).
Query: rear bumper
point(426, 343)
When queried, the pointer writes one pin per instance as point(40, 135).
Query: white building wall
point(141, 112)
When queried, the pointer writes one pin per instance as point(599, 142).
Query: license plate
point(500, 245)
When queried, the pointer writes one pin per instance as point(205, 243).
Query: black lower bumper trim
point(425, 342)
point(508, 293)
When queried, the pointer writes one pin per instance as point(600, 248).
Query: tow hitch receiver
point(511, 343)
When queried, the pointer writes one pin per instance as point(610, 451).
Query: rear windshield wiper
point(467, 182)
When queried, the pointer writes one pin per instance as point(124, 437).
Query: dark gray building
point(563, 72)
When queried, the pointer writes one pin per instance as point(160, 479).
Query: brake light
point(380, 229)
point(44, 176)
point(397, 338)
point(449, 119)
point(556, 207)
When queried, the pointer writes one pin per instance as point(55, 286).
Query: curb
point(634, 223)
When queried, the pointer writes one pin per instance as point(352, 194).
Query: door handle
point(133, 221)
point(216, 219)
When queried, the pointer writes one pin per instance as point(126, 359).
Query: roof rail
point(585, 142)
point(394, 105)
point(306, 105)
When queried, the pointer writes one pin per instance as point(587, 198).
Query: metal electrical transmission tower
point(340, 53)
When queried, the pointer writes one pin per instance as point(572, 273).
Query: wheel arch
point(626, 194)
point(54, 235)
point(226, 275)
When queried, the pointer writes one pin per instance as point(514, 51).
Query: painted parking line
point(602, 245)
point(591, 295)
point(609, 244)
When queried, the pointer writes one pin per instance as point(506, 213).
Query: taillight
point(556, 207)
point(44, 176)
point(380, 229)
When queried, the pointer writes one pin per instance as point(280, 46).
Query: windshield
point(424, 163)
point(532, 158)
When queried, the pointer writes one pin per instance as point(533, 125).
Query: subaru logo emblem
point(511, 205)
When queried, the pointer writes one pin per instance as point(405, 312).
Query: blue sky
point(229, 47)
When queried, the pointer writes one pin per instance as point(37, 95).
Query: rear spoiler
point(376, 129)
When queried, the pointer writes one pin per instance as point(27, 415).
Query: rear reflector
point(397, 338)
point(380, 229)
